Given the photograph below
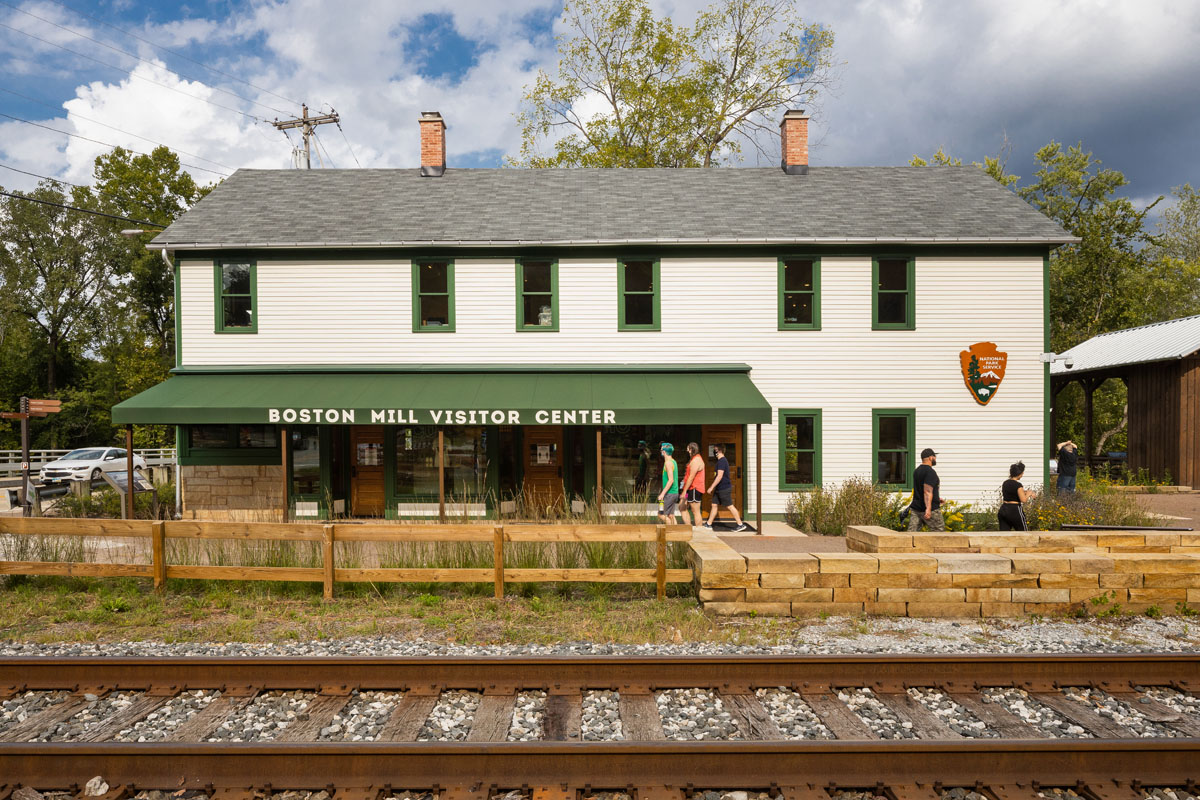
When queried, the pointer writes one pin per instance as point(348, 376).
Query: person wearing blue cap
point(668, 498)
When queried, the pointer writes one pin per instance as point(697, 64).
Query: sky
point(207, 77)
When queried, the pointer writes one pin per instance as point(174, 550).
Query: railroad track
point(1103, 726)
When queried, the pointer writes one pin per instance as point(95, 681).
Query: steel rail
point(883, 672)
point(745, 765)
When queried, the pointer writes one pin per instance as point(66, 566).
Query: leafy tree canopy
point(633, 90)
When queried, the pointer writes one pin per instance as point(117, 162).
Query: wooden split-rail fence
point(327, 535)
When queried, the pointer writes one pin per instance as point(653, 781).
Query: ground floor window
point(799, 448)
point(631, 461)
point(893, 432)
point(416, 465)
point(305, 449)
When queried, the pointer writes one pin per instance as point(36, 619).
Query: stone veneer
point(872, 539)
point(232, 493)
point(933, 584)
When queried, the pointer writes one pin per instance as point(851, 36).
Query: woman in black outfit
point(1013, 494)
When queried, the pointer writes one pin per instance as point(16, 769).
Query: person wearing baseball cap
point(926, 504)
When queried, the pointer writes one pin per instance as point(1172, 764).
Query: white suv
point(87, 462)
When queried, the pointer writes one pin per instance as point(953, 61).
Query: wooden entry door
point(543, 461)
point(366, 471)
point(731, 437)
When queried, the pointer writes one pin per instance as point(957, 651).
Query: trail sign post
point(29, 408)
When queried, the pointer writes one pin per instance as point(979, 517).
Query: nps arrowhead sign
point(983, 369)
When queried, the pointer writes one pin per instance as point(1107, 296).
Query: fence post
point(327, 558)
point(498, 554)
point(661, 566)
point(158, 553)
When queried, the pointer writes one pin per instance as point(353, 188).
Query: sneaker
point(740, 528)
point(706, 527)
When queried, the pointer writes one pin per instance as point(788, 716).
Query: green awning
point(650, 395)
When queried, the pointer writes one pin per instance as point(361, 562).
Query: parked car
point(87, 462)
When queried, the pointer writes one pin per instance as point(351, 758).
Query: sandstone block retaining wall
point(873, 539)
point(938, 584)
point(232, 493)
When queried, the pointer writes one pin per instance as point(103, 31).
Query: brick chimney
point(793, 135)
point(433, 145)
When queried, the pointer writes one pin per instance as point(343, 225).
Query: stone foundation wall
point(939, 584)
point(873, 539)
point(232, 493)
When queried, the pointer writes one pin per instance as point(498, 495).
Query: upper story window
point(537, 295)
point(893, 432)
point(799, 448)
point(236, 297)
point(892, 298)
point(638, 295)
point(433, 295)
point(799, 294)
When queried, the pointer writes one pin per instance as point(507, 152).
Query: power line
point(348, 146)
point(131, 73)
point(175, 53)
point(106, 144)
point(116, 49)
point(118, 130)
point(43, 177)
point(322, 148)
point(80, 210)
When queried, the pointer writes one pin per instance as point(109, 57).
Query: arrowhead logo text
point(983, 369)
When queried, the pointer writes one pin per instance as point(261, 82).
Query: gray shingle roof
point(1160, 341)
point(480, 207)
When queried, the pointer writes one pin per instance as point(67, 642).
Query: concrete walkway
point(779, 537)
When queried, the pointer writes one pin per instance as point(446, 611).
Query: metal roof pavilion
point(1160, 341)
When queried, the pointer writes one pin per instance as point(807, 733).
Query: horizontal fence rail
point(327, 535)
point(10, 460)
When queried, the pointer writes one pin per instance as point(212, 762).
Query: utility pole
point(306, 124)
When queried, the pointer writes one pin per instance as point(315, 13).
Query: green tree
point(56, 266)
point(153, 188)
point(666, 95)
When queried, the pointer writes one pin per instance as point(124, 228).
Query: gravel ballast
point(794, 718)
point(601, 717)
point(162, 721)
point(878, 717)
point(958, 719)
point(264, 719)
point(451, 718)
point(695, 714)
point(362, 718)
point(1018, 702)
point(96, 713)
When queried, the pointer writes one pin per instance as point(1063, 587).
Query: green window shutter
point(537, 294)
point(893, 437)
point(638, 295)
point(799, 448)
point(433, 295)
point(893, 293)
point(799, 293)
point(235, 292)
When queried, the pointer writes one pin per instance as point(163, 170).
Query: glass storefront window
point(208, 436)
point(417, 461)
point(631, 460)
point(306, 460)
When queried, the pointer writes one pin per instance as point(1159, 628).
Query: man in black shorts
point(722, 491)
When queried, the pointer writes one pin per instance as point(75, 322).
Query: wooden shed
point(1160, 365)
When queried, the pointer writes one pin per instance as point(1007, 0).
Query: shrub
point(829, 511)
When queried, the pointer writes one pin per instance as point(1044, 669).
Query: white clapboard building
point(399, 342)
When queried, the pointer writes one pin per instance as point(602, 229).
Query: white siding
point(717, 310)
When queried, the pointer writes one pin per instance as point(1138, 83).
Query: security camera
point(1069, 362)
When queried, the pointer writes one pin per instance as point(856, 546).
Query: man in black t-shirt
point(1068, 464)
point(722, 492)
point(926, 507)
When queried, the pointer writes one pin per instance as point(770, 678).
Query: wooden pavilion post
point(129, 484)
point(1089, 386)
point(599, 478)
point(441, 474)
point(283, 452)
point(758, 477)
